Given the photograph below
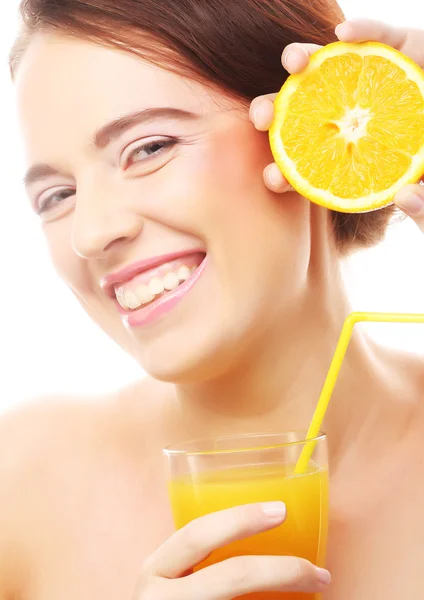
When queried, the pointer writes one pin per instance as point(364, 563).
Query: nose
point(103, 219)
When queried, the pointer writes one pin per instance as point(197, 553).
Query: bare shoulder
point(41, 423)
point(35, 436)
point(48, 421)
point(29, 436)
point(48, 426)
point(57, 454)
point(53, 450)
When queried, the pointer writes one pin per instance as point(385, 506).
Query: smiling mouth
point(147, 287)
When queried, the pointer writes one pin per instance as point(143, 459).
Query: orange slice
point(348, 131)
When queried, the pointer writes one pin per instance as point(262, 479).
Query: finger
point(262, 111)
point(193, 543)
point(294, 59)
point(241, 575)
point(296, 56)
point(410, 199)
point(275, 180)
point(363, 30)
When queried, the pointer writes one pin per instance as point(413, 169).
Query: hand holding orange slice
point(348, 132)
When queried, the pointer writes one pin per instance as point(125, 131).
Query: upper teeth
point(145, 293)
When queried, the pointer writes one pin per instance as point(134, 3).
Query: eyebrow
point(106, 134)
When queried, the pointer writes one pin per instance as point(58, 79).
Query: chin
point(186, 359)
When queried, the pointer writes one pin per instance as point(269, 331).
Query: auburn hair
point(234, 45)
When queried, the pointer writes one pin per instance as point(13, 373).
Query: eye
point(52, 200)
point(149, 150)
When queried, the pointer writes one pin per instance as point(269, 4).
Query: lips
point(123, 277)
point(149, 314)
point(154, 283)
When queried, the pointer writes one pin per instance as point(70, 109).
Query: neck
point(276, 384)
point(277, 378)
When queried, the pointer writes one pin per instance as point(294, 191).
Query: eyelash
point(164, 143)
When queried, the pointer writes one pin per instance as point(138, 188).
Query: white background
point(47, 343)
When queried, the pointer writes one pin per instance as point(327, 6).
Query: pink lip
point(127, 273)
point(151, 313)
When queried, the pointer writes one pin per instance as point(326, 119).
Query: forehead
point(69, 85)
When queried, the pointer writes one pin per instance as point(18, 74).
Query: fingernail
point(410, 203)
point(255, 114)
point(286, 56)
point(274, 176)
point(274, 510)
point(339, 26)
point(324, 576)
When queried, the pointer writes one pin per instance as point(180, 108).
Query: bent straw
point(333, 373)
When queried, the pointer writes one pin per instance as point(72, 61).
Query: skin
point(253, 359)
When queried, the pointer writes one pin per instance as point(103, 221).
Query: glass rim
point(182, 448)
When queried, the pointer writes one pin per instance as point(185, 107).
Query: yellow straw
point(334, 371)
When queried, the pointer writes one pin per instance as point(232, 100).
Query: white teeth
point(184, 273)
point(171, 281)
point(119, 294)
point(131, 300)
point(121, 299)
point(144, 294)
point(156, 286)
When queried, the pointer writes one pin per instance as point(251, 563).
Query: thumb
point(410, 199)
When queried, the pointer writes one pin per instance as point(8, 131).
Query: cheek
point(216, 184)
point(237, 205)
point(254, 234)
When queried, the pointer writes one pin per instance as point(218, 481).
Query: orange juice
point(304, 532)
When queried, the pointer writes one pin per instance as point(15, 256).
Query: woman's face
point(150, 192)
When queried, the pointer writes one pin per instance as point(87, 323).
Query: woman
point(145, 111)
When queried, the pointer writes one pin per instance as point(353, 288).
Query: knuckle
point(245, 516)
point(192, 535)
point(147, 566)
point(146, 589)
point(299, 569)
point(240, 571)
point(233, 518)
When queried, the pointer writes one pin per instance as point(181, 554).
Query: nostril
point(114, 243)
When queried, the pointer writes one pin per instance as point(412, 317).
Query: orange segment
point(348, 131)
point(353, 177)
point(384, 87)
point(343, 73)
point(311, 99)
point(299, 135)
point(398, 131)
